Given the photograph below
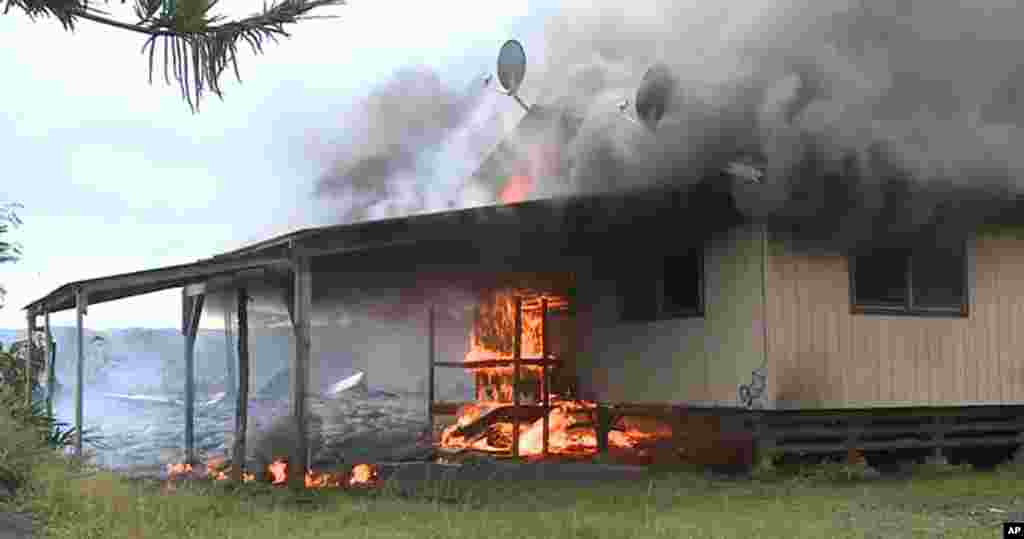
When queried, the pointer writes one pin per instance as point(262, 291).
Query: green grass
point(669, 505)
point(821, 501)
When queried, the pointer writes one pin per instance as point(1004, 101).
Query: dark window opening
point(919, 281)
point(682, 285)
point(670, 287)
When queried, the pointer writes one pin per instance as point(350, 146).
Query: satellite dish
point(511, 66)
point(655, 95)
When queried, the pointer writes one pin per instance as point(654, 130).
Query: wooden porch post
point(430, 375)
point(81, 308)
point(517, 352)
point(229, 359)
point(51, 367)
point(30, 349)
point(545, 389)
point(299, 461)
point(195, 310)
point(238, 452)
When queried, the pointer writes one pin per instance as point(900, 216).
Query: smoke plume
point(865, 116)
point(410, 145)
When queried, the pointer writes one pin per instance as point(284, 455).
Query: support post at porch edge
point(81, 308)
point(238, 452)
point(51, 364)
point(195, 310)
point(232, 373)
point(298, 463)
point(430, 375)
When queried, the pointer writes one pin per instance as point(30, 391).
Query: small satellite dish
point(511, 66)
point(655, 95)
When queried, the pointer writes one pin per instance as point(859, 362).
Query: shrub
point(20, 450)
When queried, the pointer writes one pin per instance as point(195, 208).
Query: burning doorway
point(522, 360)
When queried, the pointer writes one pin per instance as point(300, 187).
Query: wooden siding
point(821, 355)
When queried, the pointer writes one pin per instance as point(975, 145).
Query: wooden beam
point(545, 389)
point(490, 363)
point(903, 443)
point(190, 374)
point(152, 280)
point(229, 359)
point(225, 283)
point(194, 289)
point(82, 308)
point(186, 311)
point(517, 352)
point(51, 365)
point(603, 421)
point(341, 247)
point(238, 451)
point(198, 270)
point(298, 463)
point(430, 373)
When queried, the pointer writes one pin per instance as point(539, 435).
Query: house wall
point(821, 355)
point(699, 361)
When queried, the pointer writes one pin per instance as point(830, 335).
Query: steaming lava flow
point(487, 424)
point(276, 472)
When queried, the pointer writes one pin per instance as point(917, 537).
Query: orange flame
point(516, 189)
point(278, 471)
point(570, 422)
point(176, 470)
point(363, 474)
point(216, 469)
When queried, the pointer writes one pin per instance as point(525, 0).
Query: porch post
point(238, 452)
point(299, 461)
point(82, 307)
point(30, 349)
point(232, 376)
point(516, 353)
point(195, 310)
point(545, 389)
point(51, 367)
point(430, 374)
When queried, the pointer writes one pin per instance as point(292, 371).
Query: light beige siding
point(691, 360)
point(821, 355)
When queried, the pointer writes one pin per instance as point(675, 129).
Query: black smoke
point(869, 118)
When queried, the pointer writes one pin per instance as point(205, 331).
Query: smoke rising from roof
point(411, 143)
point(864, 115)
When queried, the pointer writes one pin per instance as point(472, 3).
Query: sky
point(116, 175)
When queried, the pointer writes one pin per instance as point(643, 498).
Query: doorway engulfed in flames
point(488, 424)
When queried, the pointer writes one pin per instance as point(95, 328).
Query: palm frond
point(197, 53)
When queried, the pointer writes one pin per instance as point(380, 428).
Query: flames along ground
point(276, 473)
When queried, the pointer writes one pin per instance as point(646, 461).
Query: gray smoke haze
point(410, 145)
point(866, 114)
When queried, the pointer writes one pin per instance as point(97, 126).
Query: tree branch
point(200, 50)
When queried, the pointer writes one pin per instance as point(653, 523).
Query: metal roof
point(124, 285)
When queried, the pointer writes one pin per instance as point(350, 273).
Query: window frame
point(908, 308)
point(661, 313)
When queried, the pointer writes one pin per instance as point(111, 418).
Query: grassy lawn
point(950, 503)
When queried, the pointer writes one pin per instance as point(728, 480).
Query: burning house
point(762, 273)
